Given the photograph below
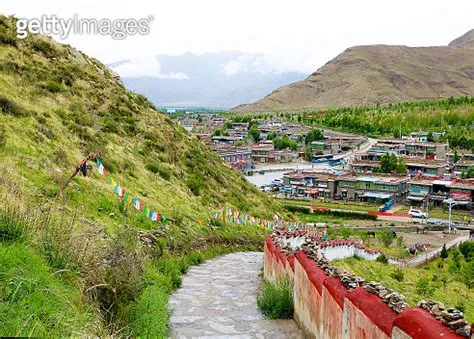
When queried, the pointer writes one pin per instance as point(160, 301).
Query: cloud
point(146, 66)
point(248, 63)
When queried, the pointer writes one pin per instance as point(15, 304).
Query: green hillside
point(82, 244)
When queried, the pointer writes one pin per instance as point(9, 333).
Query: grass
point(332, 204)
point(453, 294)
point(276, 300)
point(56, 106)
point(36, 301)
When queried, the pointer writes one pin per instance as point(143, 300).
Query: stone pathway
point(218, 300)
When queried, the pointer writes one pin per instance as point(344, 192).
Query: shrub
point(53, 86)
point(10, 107)
point(276, 300)
point(296, 208)
point(398, 275)
point(347, 214)
point(13, 225)
point(195, 183)
point(467, 250)
point(424, 288)
point(382, 258)
point(44, 47)
point(346, 232)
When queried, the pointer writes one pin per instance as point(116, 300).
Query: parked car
point(417, 213)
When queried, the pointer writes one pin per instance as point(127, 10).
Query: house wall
point(324, 308)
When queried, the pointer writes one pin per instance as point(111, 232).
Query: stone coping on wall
point(374, 305)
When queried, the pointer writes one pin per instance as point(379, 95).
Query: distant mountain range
point(219, 80)
point(380, 74)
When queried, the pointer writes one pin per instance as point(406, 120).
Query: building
point(346, 186)
point(239, 158)
point(428, 192)
point(427, 150)
point(261, 152)
point(374, 188)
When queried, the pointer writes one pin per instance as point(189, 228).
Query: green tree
point(469, 173)
point(254, 133)
point(313, 135)
point(386, 237)
point(444, 253)
point(217, 132)
point(467, 276)
point(467, 250)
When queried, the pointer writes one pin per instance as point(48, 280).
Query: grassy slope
point(56, 105)
point(454, 295)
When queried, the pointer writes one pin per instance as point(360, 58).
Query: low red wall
point(417, 323)
point(366, 315)
point(324, 308)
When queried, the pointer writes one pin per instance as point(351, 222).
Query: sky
point(293, 35)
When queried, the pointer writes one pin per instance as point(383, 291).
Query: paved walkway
point(218, 300)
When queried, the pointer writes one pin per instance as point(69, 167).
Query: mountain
point(364, 75)
point(75, 259)
point(219, 80)
point(466, 40)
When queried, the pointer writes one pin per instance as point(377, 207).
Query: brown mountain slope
point(379, 74)
point(466, 40)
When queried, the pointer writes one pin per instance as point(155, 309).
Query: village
point(328, 165)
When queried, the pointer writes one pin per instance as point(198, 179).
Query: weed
point(276, 300)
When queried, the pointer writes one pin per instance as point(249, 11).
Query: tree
point(444, 253)
point(469, 173)
point(285, 142)
point(386, 237)
point(401, 167)
point(390, 163)
point(467, 276)
point(254, 132)
point(313, 135)
point(271, 135)
point(456, 156)
point(467, 250)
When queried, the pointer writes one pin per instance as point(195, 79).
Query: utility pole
point(451, 202)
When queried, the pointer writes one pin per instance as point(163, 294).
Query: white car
point(417, 213)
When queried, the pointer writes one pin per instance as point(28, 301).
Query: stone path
point(218, 300)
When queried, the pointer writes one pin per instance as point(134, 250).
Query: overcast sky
point(297, 35)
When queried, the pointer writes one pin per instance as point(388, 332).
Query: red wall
point(324, 308)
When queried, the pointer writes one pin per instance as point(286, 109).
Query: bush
point(398, 275)
point(424, 288)
point(44, 47)
point(347, 214)
point(13, 225)
point(276, 300)
point(382, 258)
point(297, 209)
point(467, 250)
point(195, 183)
point(53, 86)
point(10, 107)
point(386, 238)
